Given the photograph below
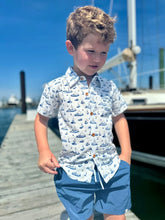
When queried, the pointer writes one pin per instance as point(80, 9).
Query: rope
point(110, 7)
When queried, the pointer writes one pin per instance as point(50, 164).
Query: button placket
point(93, 123)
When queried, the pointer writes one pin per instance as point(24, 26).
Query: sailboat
point(146, 108)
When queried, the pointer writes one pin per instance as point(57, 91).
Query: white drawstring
point(95, 175)
point(101, 183)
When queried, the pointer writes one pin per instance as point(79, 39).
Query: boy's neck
point(88, 77)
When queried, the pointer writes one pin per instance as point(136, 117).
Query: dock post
point(161, 66)
point(23, 92)
point(150, 82)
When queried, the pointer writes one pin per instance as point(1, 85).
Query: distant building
point(29, 100)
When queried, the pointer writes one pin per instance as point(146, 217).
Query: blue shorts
point(80, 198)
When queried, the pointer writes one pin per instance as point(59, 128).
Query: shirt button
point(94, 155)
point(91, 113)
point(93, 134)
point(86, 93)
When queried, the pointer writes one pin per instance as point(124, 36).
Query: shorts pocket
point(125, 162)
point(58, 176)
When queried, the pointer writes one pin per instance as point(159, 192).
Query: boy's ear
point(70, 47)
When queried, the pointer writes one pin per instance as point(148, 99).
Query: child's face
point(90, 55)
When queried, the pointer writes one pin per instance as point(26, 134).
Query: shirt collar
point(73, 78)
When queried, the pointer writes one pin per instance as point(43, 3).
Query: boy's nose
point(97, 58)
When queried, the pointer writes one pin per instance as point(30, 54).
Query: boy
point(89, 171)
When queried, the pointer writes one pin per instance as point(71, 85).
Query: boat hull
point(146, 130)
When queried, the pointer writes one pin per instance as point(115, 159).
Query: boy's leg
point(114, 217)
point(91, 218)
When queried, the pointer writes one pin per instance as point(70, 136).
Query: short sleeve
point(119, 105)
point(49, 102)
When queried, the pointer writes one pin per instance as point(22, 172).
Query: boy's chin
point(90, 74)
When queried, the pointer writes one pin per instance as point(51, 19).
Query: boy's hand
point(47, 162)
point(126, 158)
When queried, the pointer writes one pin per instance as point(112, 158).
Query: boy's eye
point(104, 53)
point(91, 51)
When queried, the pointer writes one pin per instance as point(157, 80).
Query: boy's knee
point(114, 217)
point(91, 218)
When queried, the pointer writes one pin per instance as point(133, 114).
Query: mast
point(131, 13)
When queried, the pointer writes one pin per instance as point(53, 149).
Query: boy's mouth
point(94, 66)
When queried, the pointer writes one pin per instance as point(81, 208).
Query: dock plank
point(25, 192)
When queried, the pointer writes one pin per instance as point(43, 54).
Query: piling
point(23, 92)
point(161, 66)
point(150, 82)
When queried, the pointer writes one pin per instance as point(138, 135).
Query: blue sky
point(32, 38)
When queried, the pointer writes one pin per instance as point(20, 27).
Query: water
point(148, 191)
point(147, 182)
point(6, 117)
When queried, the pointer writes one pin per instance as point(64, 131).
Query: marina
point(27, 193)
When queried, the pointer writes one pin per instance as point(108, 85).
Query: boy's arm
point(47, 161)
point(122, 131)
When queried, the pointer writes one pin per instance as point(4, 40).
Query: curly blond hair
point(89, 19)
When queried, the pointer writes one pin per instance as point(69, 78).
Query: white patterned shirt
point(85, 121)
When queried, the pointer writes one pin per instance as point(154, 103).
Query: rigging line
point(93, 2)
point(142, 20)
point(157, 23)
point(139, 74)
point(152, 71)
point(110, 7)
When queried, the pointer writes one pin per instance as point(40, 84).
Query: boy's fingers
point(47, 169)
point(50, 171)
point(54, 161)
point(49, 166)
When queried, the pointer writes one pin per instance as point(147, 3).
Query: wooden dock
point(25, 192)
